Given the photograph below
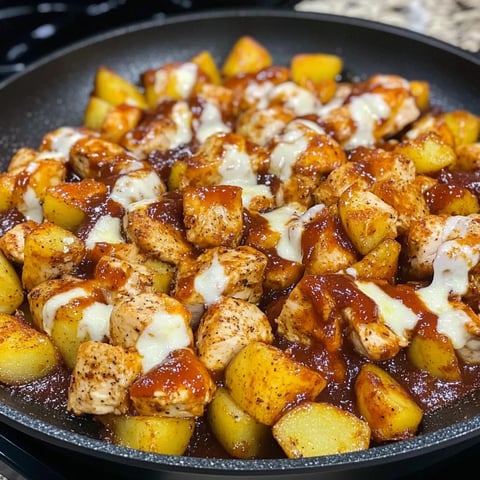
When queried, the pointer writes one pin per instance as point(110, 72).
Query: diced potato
point(65, 204)
point(246, 56)
point(11, 291)
point(451, 199)
point(176, 173)
point(163, 274)
point(312, 429)
point(316, 67)
point(119, 120)
point(429, 152)
point(421, 92)
point(434, 353)
point(114, 89)
point(25, 353)
point(237, 431)
point(387, 407)
point(207, 64)
point(464, 125)
point(7, 186)
point(96, 112)
point(165, 435)
point(263, 380)
point(380, 263)
point(468, 157)
point(366, 218)
point(50, 251)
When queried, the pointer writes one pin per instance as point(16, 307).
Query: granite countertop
point(453, 21)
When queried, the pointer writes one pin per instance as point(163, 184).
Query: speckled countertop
point(453, 21)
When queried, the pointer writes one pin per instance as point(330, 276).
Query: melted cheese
point(212, 282)
point(250, 192)
point(31, 207)
point(258, 93)
point(295, 98)
point(95, 322)
point(210, 122)
point(236, 168)
point(165, 333)
point(182, 117)
point(63, 139)
point(133, 188)
point(107, 229)
point(52, 305)
point(185, 78)
point(399, 318)
point(366, 110)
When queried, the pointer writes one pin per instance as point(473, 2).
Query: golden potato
point(387, 407)
point(429, 152)
point(311, 429)
point(263, 380)
point(366, 218)
point(316, 67)
point(25, 353)
point(246, 56)
point(11, 291)
point(468, 157)
point(96, 112)
point(114, 89)
point(464, 125)
point(119, 120)
point(50, 251)
point(421, 92)
point(237, 431)
point(165, 435)
point(7, 186)
point(452, 199)
point(207, 64)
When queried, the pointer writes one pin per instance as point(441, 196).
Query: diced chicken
point(100, 379)
point(180, 386)
point(217, 272)
point(153, 324)
point(213, 215)
point(226, 327)
point(121, 278)
point(12, 243)
point(157, 228)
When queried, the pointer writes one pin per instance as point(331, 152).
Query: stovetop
point(30, 30)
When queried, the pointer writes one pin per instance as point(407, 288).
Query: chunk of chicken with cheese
point(152, 324)
point(101, 378)
point(12, 243)
point(220, 271)
point(180, 386)
point(213, 215)
point(226, 327)
point(157, 228)
point(60, 141)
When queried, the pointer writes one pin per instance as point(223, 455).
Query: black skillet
point(53, 93)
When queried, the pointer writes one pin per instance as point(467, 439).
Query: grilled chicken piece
point(156, 226)
point(153, 324)
point(12, 243)
point(219, 271)
point(100, 379)
point(226, 327)
point(180, 386)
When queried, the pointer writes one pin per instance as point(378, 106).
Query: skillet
point(53, 92)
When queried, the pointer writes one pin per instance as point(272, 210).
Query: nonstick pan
point(53, 93)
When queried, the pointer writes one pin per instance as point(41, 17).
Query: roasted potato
point(11, 292)
point(246, 56)
point(315, 67)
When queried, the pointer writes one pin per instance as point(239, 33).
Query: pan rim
point(461, 431)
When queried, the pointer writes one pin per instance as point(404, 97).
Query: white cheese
point(212, 282)
point(210, 122)
point(51, 306)
point(366, 110)
point(295, 98)
point(95, 322)
point(185, 78)
point(63, 139)
point(258, 93)
point(236, 168)
point(31, 207)
point(250, 192)
point(182, 117)
point(165, 333)
point(133, 188)
point(107, 229)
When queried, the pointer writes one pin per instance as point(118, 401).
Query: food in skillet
point(248, 262)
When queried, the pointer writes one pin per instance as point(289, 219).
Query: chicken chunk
point(101, 378)
point(153, 324)
point(180, 386)
point(12, 243)
point(226, 327)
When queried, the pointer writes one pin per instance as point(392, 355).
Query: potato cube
point(387, 407)
point(452, 199)
point(429, 152)
point(207, 64)
point(237, 431)
point(115, 89)
point(421, 92)
point(366, 218)
point(96, 112)
point(65, 204)
point(263, 380)
point(464, 125)
point(213, 215)
point(119, 120)
point(11, 292)
point(246, 56)
point(312, 429)
point(468, 157)
point(50, 251)
point(164, 435)
point(7, 187)
point(316, 67)
point(25, 353)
